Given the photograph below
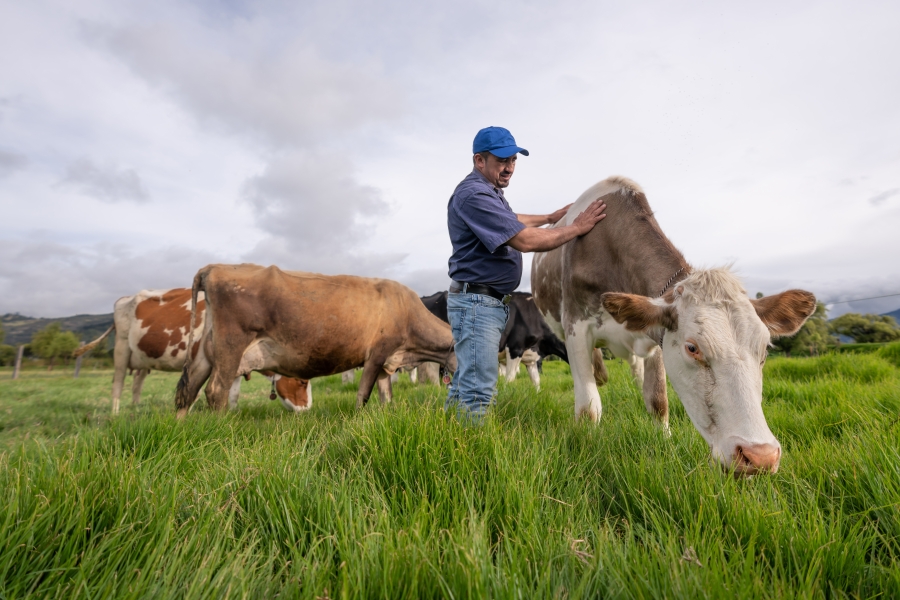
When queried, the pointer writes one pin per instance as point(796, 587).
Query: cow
point(525, 330)
point(625, 286)
point(151, 329)
point(307, 325)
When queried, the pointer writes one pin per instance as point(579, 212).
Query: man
point(486, 266)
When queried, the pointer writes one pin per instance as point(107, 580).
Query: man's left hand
point(557, 215)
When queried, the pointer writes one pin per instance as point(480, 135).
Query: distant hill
point(895, 314)
point(19, 329)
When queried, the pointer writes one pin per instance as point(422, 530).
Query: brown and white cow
point(625, 286)
point(308, 325)
point(152, 334)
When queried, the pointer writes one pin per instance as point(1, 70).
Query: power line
point(861, 299)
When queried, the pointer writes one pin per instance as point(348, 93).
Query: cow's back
point(317, 324)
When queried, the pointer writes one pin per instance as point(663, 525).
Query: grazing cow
point(625, 286)
point(525, 330)
point(308, 325)
point(152, 334)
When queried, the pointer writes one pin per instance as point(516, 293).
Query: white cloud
point(11, 162)
point(107, 183)
point(316, 215)
point(329, 135)
point(233, 81)
point(50, 279)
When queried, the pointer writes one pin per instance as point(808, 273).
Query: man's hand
point(537, 239)
point(592, 215)
point(559, 214)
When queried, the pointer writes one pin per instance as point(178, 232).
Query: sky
point(141, 141)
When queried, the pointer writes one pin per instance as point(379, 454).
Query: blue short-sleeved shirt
point(480, 223)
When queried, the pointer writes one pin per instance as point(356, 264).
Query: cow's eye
point(694, 351)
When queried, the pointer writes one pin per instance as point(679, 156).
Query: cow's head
point(714, 347)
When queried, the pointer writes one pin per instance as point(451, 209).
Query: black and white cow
point(527, 338)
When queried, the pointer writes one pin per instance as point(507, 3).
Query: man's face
point(496, 170)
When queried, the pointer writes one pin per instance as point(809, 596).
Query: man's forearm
point(536, 239)
point(533, 220)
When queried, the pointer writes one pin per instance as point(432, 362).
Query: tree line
point(819, 334)
point(50, 343)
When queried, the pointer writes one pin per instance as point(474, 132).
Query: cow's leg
point(533, 373)
point(385, 391)
point(601, 375)
point(137, 384)
point(121, 358)
point(414, 375)
point(225, 365)
point(580, 347)
point(372, 369)
point(191, 382)
point(512, 366)
point(348, 376)
point(656, 397)
point(234, 393)
point(637, 369)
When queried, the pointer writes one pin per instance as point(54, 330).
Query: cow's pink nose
point(749, 459)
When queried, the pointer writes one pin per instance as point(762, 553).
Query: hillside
point(19, 329)
point(895, 314)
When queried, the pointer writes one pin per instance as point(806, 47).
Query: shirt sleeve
point(492, 222)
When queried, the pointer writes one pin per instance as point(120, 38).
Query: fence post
point(18, 361)
point(78, 363)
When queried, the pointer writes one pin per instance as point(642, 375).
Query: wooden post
point(78, 363)
point(18, 361)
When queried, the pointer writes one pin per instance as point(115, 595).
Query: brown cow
point(308, 325)
point(152, 334)
point(625, 286)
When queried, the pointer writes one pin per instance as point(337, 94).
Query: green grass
point(401, 502)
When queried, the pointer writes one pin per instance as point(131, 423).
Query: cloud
point(11, 162)
point(426, 281)
point(317, 215)
point(285, 96)
point(878, 199)
point(48, 279)
point(106, 183)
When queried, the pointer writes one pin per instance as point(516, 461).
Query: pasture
point(402, 502)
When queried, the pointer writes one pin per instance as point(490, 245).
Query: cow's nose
point(749, 459)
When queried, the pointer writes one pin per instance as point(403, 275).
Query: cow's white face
point(714, 348)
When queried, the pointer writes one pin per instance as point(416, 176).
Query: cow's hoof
point(181, 413)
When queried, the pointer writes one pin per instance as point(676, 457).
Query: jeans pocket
point(456, 316)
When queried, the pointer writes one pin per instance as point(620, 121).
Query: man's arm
point(535, 239)
point(539, 220)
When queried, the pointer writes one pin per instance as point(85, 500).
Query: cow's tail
point(88, 347)
point(182, 389)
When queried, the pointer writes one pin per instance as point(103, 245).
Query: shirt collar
point(478, 174)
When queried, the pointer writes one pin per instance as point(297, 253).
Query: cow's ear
point(639, 313)
point(785, 313)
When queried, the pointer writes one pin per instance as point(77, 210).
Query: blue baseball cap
point(498, 141)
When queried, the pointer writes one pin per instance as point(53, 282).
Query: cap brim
point(508, 151)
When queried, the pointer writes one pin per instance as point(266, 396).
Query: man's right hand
point(592, 215)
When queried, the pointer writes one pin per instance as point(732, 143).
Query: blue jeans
point(478, 322)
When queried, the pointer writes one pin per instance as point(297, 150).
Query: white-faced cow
point(151, 330)
point(625, 286)
point(308, 325)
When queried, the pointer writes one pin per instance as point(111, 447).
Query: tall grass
point(402, 502)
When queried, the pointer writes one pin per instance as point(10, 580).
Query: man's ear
point(639, 313)
point(785, 313)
